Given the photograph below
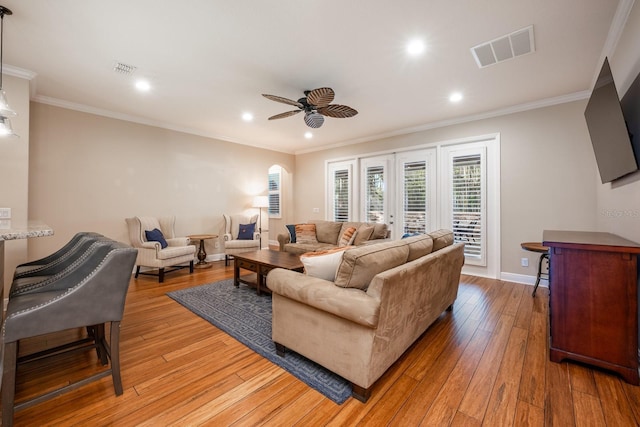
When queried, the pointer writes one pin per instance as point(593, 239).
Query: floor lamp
point(260, 202)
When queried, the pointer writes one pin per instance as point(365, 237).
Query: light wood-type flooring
point(485, 363)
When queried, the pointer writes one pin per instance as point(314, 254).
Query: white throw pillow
point(322, 265)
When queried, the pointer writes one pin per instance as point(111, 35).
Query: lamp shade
point(261, 202)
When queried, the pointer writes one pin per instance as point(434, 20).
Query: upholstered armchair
point(246, 243)
point(159, 248)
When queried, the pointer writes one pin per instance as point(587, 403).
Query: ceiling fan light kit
point(316, 104)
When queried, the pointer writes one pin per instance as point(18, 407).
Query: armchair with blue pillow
point(158, 247)
point(240, 235)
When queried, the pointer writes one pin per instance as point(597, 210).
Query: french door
point(454, 185)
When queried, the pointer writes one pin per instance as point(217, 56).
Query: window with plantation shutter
point(374, 194)
point(275, 175)
point(416, 189)
point(340, 191)
point(467, 185)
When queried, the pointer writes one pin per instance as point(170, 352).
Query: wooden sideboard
point(593, 300)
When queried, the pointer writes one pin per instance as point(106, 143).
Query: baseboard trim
point(523, 278)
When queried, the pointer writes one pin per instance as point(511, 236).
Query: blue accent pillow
point(292, 232)
point(155, 235)
point(405, 235)
point(245, 231)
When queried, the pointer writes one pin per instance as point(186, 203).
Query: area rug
point(244, 315)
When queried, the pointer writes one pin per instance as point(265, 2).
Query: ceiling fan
point(316, 104)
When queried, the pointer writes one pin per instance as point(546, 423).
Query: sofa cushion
point(419, 246)
point(359, 265)
point(327, 231)
point(292, 232)
point(306, 234)
point(302, 248)
point(379, 231)
point(322, 264)
point(441, 238)
point(347, 237)
point(363, 234)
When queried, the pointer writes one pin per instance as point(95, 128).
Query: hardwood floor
point(484, 363)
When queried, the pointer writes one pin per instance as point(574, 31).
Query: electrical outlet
point(524, 262)
point(316, 210)
point(217, 245)
point(5, 224)
point(5, 213)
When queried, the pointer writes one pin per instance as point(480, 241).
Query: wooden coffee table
point(261, 263)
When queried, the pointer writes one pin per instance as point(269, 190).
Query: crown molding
point(56, 102)
point(547, 102)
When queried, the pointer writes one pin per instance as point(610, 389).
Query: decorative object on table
point(316, 104)
point(247, 317)
point(202, 253)
point(260, 202)
point(544, 255)
point(5, 110)
point(232, 244)
point(151, 254)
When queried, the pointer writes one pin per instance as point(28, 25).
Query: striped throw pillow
point(306, 233)
point(347, 237)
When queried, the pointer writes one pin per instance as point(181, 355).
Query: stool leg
point(535, 288)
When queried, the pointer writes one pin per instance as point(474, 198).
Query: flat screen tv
point(609, 134)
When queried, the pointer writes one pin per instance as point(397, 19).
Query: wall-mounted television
point(610, 137)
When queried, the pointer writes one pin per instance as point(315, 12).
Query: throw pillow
point(245, 231)
point(156, 235)
point(292, 232)
point(363, 234)
point(306, 234)
point(327, 231)
point(322, 264)
point(347, 237)
point(360, 264)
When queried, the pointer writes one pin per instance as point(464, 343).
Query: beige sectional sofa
point(328, 234)
point(383, 298)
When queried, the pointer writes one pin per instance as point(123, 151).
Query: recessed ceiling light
point(143, 85)
point(455, 97)
point(308, 135)
point(415, 47)
point(247, 117)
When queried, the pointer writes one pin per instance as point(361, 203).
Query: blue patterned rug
point(244, 315)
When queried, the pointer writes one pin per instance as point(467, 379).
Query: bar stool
point(544, 251)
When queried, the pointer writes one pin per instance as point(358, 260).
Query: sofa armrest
point(151, 245)
point(227, 237)
point(348, 303)
point(283, 239)
point(256, 235)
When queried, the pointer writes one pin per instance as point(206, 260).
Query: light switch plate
point(5, 213)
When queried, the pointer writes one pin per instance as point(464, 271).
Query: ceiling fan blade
point(283, 115)
point(321, 97)
point(283, 100)
point(337, 111)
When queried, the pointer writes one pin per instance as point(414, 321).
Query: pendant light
point(5, 110)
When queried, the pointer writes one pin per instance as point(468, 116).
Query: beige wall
point(547, 174)
point(619, 203)
point(89, 172)
point(14, 172)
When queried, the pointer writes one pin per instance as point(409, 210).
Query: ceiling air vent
point(119, 67)
point(503, 48)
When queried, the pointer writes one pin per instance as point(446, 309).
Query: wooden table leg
point(236, 272)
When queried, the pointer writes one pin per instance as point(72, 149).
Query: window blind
point(467, 212)
point(415, 197)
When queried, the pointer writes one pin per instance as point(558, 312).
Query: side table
point(202, 253)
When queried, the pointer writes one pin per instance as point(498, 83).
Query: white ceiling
point(210, 60)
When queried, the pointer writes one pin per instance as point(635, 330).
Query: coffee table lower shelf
point(261, 263)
